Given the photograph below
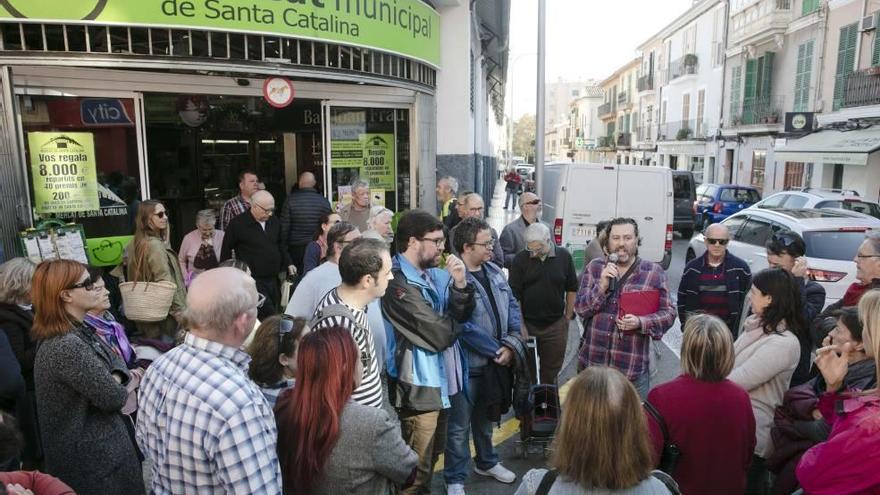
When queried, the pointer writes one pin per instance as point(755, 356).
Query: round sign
point(798, 121)
point(278, 91)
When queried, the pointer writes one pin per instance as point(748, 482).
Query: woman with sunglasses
point(80, 386)
point(153, 260)
point(273, 354)
point(316, 250)
point(327, 443)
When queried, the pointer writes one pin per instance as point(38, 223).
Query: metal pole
point(539, 111)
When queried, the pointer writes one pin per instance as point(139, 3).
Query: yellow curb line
point(503, 433)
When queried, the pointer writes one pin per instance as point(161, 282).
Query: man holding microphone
point(625, 303)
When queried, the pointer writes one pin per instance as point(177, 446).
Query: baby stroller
point(538, 425)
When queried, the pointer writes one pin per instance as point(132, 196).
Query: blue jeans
point(468, 415)
point(643, 384)
point(511, 198)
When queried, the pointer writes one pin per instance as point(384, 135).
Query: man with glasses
point(488, 339)
point(248, 184)
point(203, 424)
point(365, 270)
point(473, 207)
point(716, 283)
point(544, 281)
point(255, 238)
point(513, 236)
point(422, 306)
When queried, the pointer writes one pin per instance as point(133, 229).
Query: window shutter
point(735, 89)
point(846, 53)
point(749, 92)
point(802, 77)
point(875, 57)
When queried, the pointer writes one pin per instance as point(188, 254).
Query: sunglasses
point(87, 284)
point(160, 214)
point(722, 242)
point(285, 327)
point(534, 202)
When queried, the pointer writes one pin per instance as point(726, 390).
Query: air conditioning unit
point(870, 22)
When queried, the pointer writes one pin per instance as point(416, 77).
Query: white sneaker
point(455, 489)
point(498, 472)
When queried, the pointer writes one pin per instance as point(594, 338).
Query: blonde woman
point(716, 453)
point(602, 445)
point(847, 462)
point(152, 260)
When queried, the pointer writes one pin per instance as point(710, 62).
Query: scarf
point(854, 293)
point(112, 334)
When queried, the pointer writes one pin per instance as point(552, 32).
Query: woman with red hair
point(328, 444)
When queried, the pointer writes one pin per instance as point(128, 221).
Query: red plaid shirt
point(603, 343)
point(231, 209)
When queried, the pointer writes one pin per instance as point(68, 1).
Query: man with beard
point(625, 303)
point(421, 305)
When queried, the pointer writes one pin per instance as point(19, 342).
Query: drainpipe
point(859, 35)
point(718, 156)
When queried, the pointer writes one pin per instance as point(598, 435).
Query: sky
point(585, 39)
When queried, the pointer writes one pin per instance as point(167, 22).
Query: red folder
point(642, 303)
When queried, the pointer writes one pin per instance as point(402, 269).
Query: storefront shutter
point(846, 53)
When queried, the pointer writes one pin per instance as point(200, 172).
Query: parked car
point(577, 196)
point(832, 239)
point(684, 193)
point(715, 202)
point(821, 198)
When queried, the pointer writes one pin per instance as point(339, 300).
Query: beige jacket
point(763, 367)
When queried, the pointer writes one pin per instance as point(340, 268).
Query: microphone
point(612, 284)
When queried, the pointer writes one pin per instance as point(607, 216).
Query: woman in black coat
point(81, 387)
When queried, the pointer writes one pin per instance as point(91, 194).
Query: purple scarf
point(112, 334)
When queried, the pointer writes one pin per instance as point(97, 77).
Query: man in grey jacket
point(513, 239)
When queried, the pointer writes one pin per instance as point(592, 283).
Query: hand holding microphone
point(610, 273)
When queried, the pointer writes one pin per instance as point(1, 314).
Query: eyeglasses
point(487, 245)
point(285, 327)
point(861, 256)
point(87, 284)
point(267, 210)
point(261, 299)
point(722, 242)
point(160, 214)
point(439, 241)
point(534, 202)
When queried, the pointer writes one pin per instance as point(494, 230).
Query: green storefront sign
point(406, 27)
point(64, 172)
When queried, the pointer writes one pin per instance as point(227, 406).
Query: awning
point(832, 146)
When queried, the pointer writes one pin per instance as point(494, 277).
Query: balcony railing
point(862, 88)
point(624, 139)
point(683, 66)
point(606, 142)
point(645, 83)
point(764, 17)
point(606, 108)
point(683, 130)
point(622, 98)
point(759, 110)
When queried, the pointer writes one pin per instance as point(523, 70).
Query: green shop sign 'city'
point(405, 27)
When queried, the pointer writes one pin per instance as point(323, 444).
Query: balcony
point(624, 139)
point(607, 108)
point(760, 21)
point(645, 83)
point(684, 66)
point(622, 98)
point(766, 110)
point(862, 89)
point(606, 142)
point(683, 130)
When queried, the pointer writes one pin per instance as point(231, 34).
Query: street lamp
point(510, 72)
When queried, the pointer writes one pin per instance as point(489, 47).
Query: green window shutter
point(875, 57)
point(846, 54)
point(765, 76)
point(749, 92)
point(735, 90)
point(802, 77)
point(809, 6)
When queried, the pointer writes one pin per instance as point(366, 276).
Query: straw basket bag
point(147, 301)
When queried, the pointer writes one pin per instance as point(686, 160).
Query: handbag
point(147, 301)
point(671, 453)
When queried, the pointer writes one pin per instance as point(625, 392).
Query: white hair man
point(447, 189)
point(358, 211)
point(380, 224)
point(544, 281)
point(202, 423)
point(513, 236)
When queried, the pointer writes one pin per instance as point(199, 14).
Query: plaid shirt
point(603, 344)
point(204, 425)
point(231, 209)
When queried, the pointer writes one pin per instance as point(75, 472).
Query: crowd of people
point(399, 344)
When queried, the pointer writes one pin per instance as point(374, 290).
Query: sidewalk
point(496, 215)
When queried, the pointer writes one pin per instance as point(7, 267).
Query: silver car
point(832, 239)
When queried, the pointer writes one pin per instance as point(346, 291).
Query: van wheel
point(689, 256)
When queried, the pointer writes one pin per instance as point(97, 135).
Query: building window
point(802, 76)
point(759, 159)
point(846, 59)
point(794, 175)
point(685, 108)
point(697, 168)
point(701, 108)
point(735, 89)
point(809, 6)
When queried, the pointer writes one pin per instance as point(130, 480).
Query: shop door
point(369, 144)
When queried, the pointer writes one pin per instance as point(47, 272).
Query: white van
point(577, 196)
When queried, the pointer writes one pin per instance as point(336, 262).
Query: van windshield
point(833, 245)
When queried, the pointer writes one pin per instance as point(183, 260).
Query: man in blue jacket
point(487, 339)
point(423, 308)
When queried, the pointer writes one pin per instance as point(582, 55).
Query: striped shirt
point(369, 393)
point(712, 287)
point(204, 425)
point(603, 343)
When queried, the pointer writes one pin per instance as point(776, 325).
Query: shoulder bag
point(671, 453)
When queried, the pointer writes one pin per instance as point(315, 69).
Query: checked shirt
point(204, 425)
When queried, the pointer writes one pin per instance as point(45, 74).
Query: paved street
point(507, 436)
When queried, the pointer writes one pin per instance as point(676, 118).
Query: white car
point(821, 198)
point(832, 239)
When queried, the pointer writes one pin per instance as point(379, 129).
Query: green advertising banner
point(406, 27)
point(378, 167)
point(107, 251)
point(346, 153)
point(63, 171)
